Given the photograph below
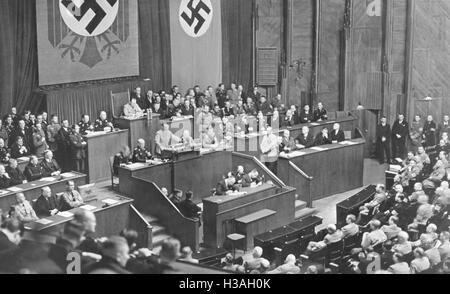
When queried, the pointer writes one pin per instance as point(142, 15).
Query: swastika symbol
point(196, 18)
point(89, 17)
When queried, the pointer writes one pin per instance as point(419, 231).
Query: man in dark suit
point(221, 95)
point(337, 135)
point(9, 235)
point(188, 208)
point(320, 114)
point(228, 109)
point(33, 171)
point(323, 138)
point(384, 140)
point(264, 106)
point(78, 149)
point(5, 180)
point(306, 138)
point(306, 116)
point(16, 175)
point(102, 122)
point(255, 95)
point(23, 132)
point(49, 165)
point(63, 139)
point(137, 94)
point(47, 204)
point(400, 131)
point(225, 185)
point(444, 127)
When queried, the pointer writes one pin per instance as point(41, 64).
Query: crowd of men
point(37, 138)
point(30, 252)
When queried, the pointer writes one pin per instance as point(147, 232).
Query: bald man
point(47, 204)
point(89, 221)
point(102, 122)
point(115, 255)
point(140, 153)
point(23, 210)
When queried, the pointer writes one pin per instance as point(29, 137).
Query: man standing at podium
point(164, 139)
point(269, 148)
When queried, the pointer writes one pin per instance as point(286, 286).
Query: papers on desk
point(23, 158)
point(318, 148)
point(237, 194)
point(154, 162)
point(292, 154)
point(68, 175)
point(94, 134)
point(395, 168)
point(315, 124)
point(347, 143)
point(2, 192)
point(66, 214)
point(15, 189)
point(135, 165)
point(110, 201)
point(44, 221)
point(49, 179)
point(88, 207)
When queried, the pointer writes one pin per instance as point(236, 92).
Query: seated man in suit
point(47, 204)
point(306, 139)
point(132, 109)
point(16, 175)
point(33, 171)
point(287, 142)
point(4, 153)
point(289, 119)
point(225, 186)
point(323, 138)
point(337, 135)
point(19, 149)
point(188, 208)
point(306, 116)
point(5, 180)
point(121, 158)
point(23, 210)
point(49, 165)
point(71, 198)
point(140, 153)
point(240, 173)
point(334, 235)
point(320, 114)
point(250, 178)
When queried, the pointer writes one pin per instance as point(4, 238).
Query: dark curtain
point(237, 32)
point(18, 56)
point(155, 54)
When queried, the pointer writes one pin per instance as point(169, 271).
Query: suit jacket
point(16, 153)
point(320, 114)
point(321, 140)
point(70, 200)
point(78, 150)
point(185, 111)
point(4, 182)
point(4, 156)
point(289, 122)
point(308, 142)
point(33, 172)
point(221, 188)
point(49, 167)
point(63, 140)
point(24, 212)
point(228, 111)
point(43, 206)
point(189, 209)
point(287, 144)
point(16, 175)
point(306, 118)
point(140, 155)
point(39, 143)
point(265, 107)
point(340, 136)
point(444, 129)
point(383, 131)
point(401, 129)
point(25, 134)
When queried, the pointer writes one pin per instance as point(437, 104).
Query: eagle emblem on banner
point(195, 17)
point(88, 31)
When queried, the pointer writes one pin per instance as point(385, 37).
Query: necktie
point(73, 196)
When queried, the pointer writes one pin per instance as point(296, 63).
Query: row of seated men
point(31, 134)
point(12, 175)
point(30, 252)
point(232, 102)
point(47, 204)
point(393, 141)
point(233, 182)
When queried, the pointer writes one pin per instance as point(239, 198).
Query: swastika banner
point(196, 42)
point(82, 40)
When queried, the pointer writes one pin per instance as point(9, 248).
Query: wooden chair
point(118, 100)
point(114, 179)
point(335, 252)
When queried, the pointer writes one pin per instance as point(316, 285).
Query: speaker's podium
point(178, 153)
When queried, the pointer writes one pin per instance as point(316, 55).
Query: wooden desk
point(219, 212)
point(352, 204)
point(250, 143)
point(147, 128)
point(334, 168)
point(100, 147)
point(111, 219)
point(32, 190)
